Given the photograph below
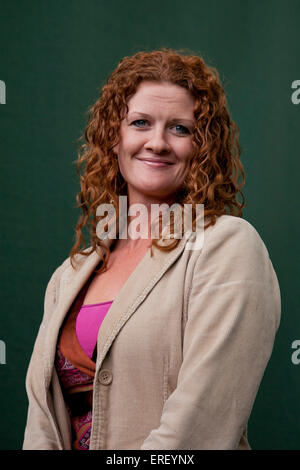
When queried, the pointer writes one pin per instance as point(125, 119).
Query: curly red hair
point(215, 165)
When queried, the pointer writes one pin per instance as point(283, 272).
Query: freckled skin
point(156, 137)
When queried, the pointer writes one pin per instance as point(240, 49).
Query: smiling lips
point(156, 163)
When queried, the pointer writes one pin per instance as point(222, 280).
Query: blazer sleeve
point(234, 312)
point(39, 431)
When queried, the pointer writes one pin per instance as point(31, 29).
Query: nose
point(157, 141)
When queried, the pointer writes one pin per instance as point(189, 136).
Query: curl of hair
point(214, 166)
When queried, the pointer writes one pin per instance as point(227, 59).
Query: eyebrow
point(130, 115)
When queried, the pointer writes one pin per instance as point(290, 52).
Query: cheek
point(128, 148)
point(185, 152)
point(131, 144)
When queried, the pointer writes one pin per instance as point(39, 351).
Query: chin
point(155, 193)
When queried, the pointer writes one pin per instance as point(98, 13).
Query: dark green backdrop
point(54, 58)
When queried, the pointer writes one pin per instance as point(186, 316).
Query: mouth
point(155, 163)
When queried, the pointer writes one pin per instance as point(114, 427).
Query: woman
point(145, 343)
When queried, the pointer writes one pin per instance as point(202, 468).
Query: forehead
point(152, 94)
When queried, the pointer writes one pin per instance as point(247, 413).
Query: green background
point(54, 58)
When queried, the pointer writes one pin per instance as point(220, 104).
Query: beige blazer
point(181, 352)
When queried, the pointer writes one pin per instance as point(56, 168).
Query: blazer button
point(105, 377)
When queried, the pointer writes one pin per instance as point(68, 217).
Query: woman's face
point(156, 141)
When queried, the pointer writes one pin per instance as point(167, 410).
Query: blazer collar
point(148, 272)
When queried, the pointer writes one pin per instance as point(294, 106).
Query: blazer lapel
point(148, 272)
point(70, 284)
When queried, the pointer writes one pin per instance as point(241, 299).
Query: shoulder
point(229, 224)
point(234, 254)
point(233, 250)
point(234, 234)
point(67, 270)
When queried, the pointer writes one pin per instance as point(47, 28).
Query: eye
point(182, 129)
point(179, 128)
point(138, 122)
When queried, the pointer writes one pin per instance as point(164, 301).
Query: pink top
point(88, 322)
point(77, 343)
